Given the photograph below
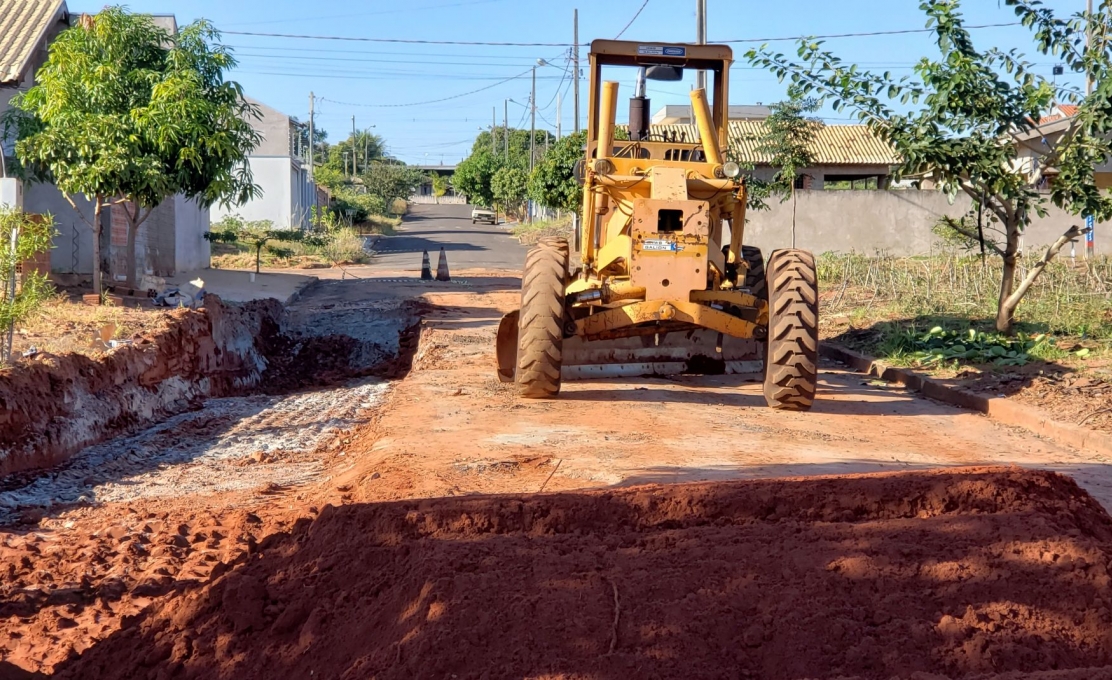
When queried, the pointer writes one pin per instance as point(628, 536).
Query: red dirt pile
point(924, 575)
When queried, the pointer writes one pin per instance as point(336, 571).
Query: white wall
point(191, 249)
point(73, 246)
point(274, 176)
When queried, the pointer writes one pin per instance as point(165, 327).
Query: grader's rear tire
point(791, 364)
point(755, 274)
point(541, 329)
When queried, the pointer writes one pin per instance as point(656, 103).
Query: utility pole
point(353, 152)
point(575, 74)
point(532, 119)
point(312, 173)
point(506, 127)
point(493, 128)
point(532, 135)
point(701, 38)
point(559, 129)
point(1088, 43)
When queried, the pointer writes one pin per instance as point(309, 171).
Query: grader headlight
point(604, 167)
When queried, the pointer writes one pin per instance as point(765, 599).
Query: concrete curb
point(999, 409)
point(301, 288)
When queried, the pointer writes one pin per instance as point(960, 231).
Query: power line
point(857, 35)
point(431, 101)
point(366, 14)
point(641, 9)
point(403, 41)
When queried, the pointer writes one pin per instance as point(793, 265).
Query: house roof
point(833, 144)
point(1059, 112)
point(23, 23)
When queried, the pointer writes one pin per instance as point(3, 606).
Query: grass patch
point(380, 224)
point(885, 306)
point(64, 324)
point(336, 246)
point(528, 234)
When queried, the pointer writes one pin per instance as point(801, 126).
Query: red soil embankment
point(55, 405)
point(941, 574)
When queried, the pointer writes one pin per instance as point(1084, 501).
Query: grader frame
point(662, 282)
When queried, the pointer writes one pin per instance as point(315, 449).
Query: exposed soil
point(955, 573)
point(948, 573)
point(65, 324)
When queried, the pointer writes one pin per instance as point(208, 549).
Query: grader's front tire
point(791, 364)
point(541, 329)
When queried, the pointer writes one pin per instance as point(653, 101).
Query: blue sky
point(356, 78)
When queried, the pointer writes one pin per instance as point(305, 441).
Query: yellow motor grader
point(660, 281)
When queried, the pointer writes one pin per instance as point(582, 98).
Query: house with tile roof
point(170, 241)
point(846, 156)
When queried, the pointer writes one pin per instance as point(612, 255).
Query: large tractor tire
point(755, 274)
point(541, 329)
point(791, 362)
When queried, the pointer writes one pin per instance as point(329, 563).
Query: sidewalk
point(235, 285)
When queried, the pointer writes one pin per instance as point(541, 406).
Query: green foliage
point(33, 236)
point(509, 187)
point(122, 108)
point(258, 233)
point(956, 119)
point(473, 177)
point(954, 289)
point(787, 138)
point(330, 178)
point(938, 346)
point(553, 183)
point(439, 184)
point(368, 147)
point(356, 208)
point(390, 181)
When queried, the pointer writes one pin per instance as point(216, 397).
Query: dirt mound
point(929, 575)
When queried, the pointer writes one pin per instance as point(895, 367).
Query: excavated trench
point(193, 409)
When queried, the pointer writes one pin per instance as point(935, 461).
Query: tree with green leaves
point(439, 185)
point(510, 189)
point(390, 181)
point(959, 119)
point(787, 139)
point(473, 177)
point(22, 237)
point(258, 233)
point(553, 183)
point(368, 149)
point(129, 115)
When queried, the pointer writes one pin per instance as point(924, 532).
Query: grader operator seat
point(661, 282)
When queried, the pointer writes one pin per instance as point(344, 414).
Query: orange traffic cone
point(426, 267)
point(442, 268)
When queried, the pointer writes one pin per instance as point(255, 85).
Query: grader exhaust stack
point(662, 283)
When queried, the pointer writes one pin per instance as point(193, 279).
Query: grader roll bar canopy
point(660, 281)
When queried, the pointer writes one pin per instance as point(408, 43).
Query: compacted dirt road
point(394, 529)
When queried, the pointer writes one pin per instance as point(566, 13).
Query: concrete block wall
point(896, 222)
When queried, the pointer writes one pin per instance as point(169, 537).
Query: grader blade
point(506, 346)
point(675, 353)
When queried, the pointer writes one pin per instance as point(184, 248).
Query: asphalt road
point(468, 246)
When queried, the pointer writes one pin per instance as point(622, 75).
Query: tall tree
point(130, 115)
point(369, 148)
point(509, 187)
point(965, 109)
point(788, 141)
point(553, 183)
